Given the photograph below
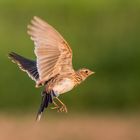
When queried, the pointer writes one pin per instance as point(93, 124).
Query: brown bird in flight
point(53, 66)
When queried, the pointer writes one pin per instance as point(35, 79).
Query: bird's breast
point(63, 86)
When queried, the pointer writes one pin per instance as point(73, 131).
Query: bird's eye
point(86, 71)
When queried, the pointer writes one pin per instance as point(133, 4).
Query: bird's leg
point(55, 105)
point(63, 106)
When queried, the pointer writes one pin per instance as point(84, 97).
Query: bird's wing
point(53, 53)
point(27, 65)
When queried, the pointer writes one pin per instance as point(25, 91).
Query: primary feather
point(27, 65)
point(53, 53)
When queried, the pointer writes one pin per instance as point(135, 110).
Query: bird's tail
point(46, 99)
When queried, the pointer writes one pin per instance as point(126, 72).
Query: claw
point(63, 109)
point(56, 107)
point(60, 109)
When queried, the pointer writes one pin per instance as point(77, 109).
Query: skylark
point(53, 66)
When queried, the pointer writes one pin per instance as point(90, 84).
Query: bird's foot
point(62, 108)
point(55, 107)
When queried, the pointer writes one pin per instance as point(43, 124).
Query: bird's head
point(84, 72)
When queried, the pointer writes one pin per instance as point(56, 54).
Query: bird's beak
point(92, 72)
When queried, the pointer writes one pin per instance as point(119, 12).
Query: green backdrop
point(104, 36)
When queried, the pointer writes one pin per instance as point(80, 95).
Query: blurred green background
point(104, 36)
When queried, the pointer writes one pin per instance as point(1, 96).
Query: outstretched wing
point(27, 65)
point(53, 53)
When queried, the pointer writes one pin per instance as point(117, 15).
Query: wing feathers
point(26, 65)
point(51, 50)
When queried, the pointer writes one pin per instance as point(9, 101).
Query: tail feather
point(46, 99)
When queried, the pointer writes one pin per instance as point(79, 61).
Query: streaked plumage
point(53, 66)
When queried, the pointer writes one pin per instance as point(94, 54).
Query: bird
point(52, 68)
